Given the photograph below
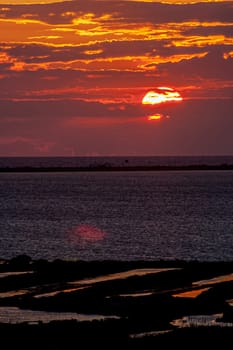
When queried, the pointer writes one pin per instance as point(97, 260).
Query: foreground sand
point(114, 304)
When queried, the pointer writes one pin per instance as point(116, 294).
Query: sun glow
point(161, 95)
point(155, 117)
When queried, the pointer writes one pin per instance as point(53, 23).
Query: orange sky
point(73, 75)
point(19, 2)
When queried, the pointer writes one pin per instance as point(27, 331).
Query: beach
point(132, 304)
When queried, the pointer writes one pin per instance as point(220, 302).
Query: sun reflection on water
point(86, 233)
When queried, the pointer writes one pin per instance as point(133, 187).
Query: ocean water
point(129, 215)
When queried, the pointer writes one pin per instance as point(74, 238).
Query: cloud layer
point(73, 75)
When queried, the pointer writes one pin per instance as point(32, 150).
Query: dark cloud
point(195, 127)
point(212, 66)
point(38, 53)
point(208, 30)
point(37, 111)
point(128, 12)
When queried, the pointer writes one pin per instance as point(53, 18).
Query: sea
point(116, 215)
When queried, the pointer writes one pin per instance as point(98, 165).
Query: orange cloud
point(29, 2)
point(127, 63)
point(179, 2)
point(228, 55)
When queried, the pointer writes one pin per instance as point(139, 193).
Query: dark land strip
point(107, 167)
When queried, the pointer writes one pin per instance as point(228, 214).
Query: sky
point(74, 75)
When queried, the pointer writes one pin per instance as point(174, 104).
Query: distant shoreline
point(110, 168)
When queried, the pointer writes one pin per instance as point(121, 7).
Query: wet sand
point(112, 304)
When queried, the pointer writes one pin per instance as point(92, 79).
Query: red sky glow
point(93, 78)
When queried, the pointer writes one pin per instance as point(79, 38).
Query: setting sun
point(161, 95)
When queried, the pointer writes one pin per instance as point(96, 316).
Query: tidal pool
point(201, 321)
point(15, 315)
